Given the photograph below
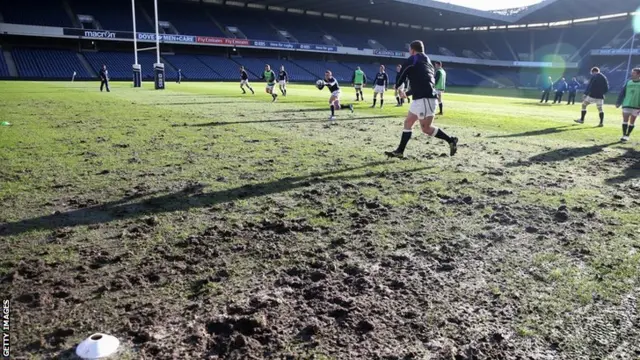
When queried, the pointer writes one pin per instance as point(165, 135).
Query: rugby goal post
point(158, 67)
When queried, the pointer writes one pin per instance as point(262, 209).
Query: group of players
point(628, 100)
point(418, 79)
point(425, 82)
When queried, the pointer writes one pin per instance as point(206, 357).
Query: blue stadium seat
point(53, 64)
point(192, 67)
point(252, 23)
point(114, 16)
point(119, 64)
point(225, 67)
point(4, 70)
point(35, 12)
point(303, 28)
point(188, 19)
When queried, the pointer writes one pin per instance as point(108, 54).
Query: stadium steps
point(145, 15)
point(222, 29)
point(513, 53)
point(559, 44)
point(584, 45)
point(86, 65)
point(11, 65)
point(71, 14)
point(168, 66)
point(493, 81)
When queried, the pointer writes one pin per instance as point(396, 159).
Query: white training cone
point(97, 346)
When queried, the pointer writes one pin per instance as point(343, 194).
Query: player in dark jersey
point(270, 77)
point(334, 100)
point(595, 93)
point(420, 71)
point(104, 78)
point(283, 79)
point(244, 81)
point(441, 83)
point(380, 84)
point(401, 89)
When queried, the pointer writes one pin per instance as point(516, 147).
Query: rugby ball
point(320, 84)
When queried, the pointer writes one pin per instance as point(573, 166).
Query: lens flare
point(636, 21)
point(557, 70)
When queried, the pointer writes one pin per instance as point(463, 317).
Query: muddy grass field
point(196, 223)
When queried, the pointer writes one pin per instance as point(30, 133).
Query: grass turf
point(198, 222)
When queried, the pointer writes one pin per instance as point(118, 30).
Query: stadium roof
point(442, 14)
point(559, 10)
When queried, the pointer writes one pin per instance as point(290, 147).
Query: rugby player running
point(420, 72)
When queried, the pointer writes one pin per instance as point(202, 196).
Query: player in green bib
point(359, 80)
point(629, 99)
point(270, 77)
point(441, 83)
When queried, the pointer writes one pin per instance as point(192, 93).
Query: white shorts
point(336, 94)
point(244, 82)
point(400, 88)
point(357, 86)
point(590, 100)
point(439, 92)
point(282, 82)
point(269, 86)
point(379, 89)
point(423, 108)
point(632, 112)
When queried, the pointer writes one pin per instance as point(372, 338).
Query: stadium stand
point(188, 19)
point(304, 29)
point(51, 64)
point(227, 68)
point(559, 43)
point(4, 69)
point(192, 67)
point(253, 24)
point(115, 16)
point(35, 12)
point(119, 63)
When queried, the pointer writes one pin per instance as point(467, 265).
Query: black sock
point(442, 135)
point(630, 129)
point(601, 117)
point(381, 102)
point(357, 96)
point(398, 99)
point(440, 105)
point(333, 110)
point(583, 114)
point(374, 101)
point(408, 100)
point(625, 126)
point(406, 136)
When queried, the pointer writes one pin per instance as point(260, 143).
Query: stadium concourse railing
point(195, 40)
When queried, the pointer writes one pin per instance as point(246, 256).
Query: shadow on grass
point(533, 103)
point(630, 160)
point(548, 131)
point(563, 154)
point(188, 198)
point(229, 101)
point(290, 120)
